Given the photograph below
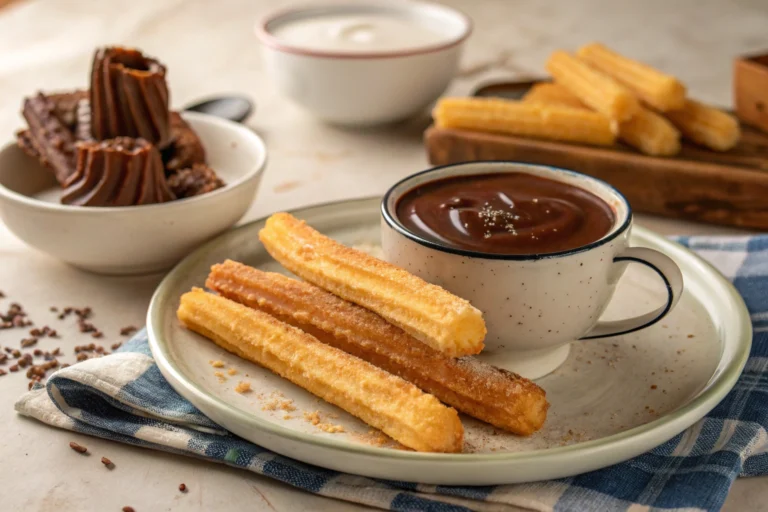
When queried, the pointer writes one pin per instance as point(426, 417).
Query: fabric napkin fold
point(124, 397)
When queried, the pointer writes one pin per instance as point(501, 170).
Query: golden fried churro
point(651, 133)
point(527, 119)
point(595, 89)
point(496, 396)
point(431, 314)
point(547, 93)
point(646, 130)
point(706, 125)
point(659, 90)
point(398, 408)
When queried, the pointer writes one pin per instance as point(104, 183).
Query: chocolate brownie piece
point(185, 150)
point(193, 181)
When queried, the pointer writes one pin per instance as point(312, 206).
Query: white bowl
point(364, 89)
point(132, 239)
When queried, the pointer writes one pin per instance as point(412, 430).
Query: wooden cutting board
point(721, 188)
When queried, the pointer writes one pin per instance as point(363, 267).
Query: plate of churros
point(293, 333)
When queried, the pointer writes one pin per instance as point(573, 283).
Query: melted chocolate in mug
point(505, 213)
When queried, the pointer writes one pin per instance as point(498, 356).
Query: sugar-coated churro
point(595, 89)
point(389, 403)
point(526, 119)
point(496, 396)
point(659, 90)
point(446, 322)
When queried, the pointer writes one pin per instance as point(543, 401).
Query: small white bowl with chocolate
point(111, 180)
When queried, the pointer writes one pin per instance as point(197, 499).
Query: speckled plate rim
point(737, 340)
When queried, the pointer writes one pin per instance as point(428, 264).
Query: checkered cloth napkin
point(124, 397)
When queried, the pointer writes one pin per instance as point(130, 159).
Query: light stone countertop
point(209, 47)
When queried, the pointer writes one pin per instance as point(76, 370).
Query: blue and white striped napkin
point(124, 397)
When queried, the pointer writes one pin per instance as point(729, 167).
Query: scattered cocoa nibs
point(654, 386)
point(30, 384)
point(2, 372)
point(82, 356)
point(37, 352)
point(48, 356)
point(36, 371)
point(22, 363)
point(128, 330)
point(8, 349)
point(691, 336)
point(116, 346)
point(97, 334)
point(182, 487)
point(78, 447)
point(2, 295)
point(35, 332)
point(3, 357)
point(52, 333)
point(14, 368)
point(107, 463)
point(65, 365)
point(56, 351)
point(16, 353)
point(129, 509)
point(99, 349)
point(53, 309)
point(6, 325)
point(28, 342)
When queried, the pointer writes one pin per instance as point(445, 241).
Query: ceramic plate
point(613, 398)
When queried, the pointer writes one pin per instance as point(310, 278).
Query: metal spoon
point(235, 108)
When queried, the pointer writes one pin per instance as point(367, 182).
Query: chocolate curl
point(51, 138)
point(117, 172)
point(129, 97)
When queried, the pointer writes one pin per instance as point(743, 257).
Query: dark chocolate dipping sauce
point(505, 213)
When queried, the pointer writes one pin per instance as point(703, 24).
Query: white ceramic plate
point(612, 400)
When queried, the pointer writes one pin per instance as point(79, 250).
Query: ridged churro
point(496, 396)
point(444, 321)
point(706, 125)
point(415, 419)
point(659, 90)
point(647, 131)
point(595, 89)
point(526, 119)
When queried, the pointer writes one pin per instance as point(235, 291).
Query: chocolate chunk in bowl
point(117, 172)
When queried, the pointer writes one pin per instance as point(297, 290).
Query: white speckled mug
point(534, 305)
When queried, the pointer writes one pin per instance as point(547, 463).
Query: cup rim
point(268, 39)
point(392, 221)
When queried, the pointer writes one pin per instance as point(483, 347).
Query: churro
point(548, 93)
point(595, 89)
point(659, 90)
point(526, 119)
point(384, 401)
point(496, 396)
point(706, 125)
point(444, 321)
point(647, 131)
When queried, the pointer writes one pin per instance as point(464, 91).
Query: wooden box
point(750, 90)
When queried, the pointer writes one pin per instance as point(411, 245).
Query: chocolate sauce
point(505, 213)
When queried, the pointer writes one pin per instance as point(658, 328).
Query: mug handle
point(669, 273)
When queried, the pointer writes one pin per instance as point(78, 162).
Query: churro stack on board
point(596, 97)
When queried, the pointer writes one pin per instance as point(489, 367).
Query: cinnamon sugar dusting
point(315, 419)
